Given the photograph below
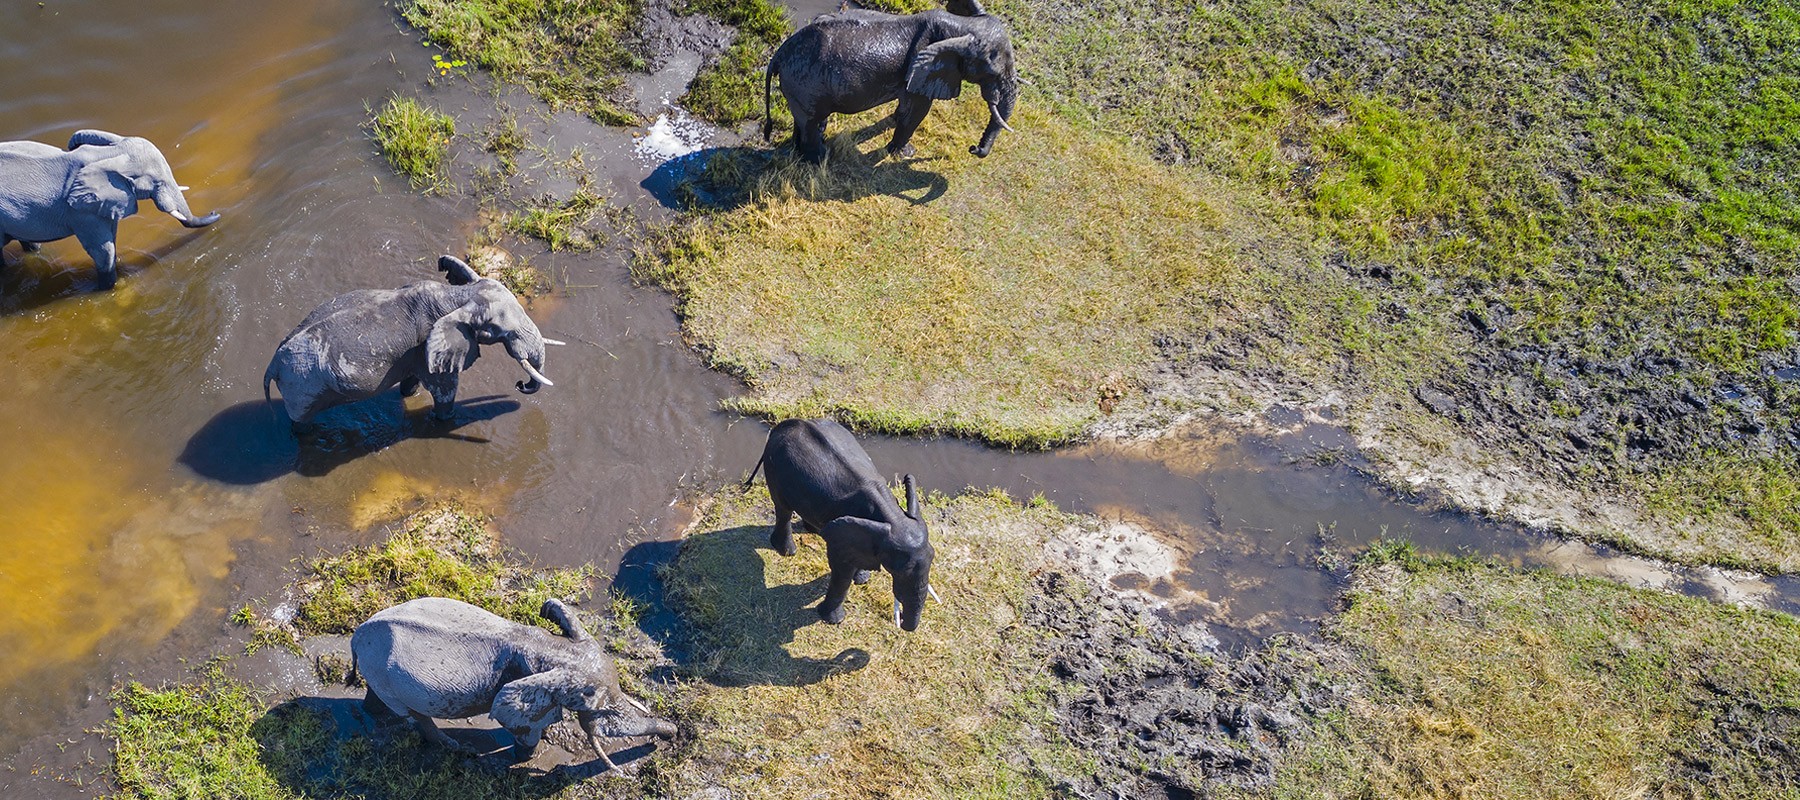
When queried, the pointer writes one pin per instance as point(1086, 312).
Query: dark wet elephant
point(48, 194)
point(852, 61)
point(816, 469)
point(443, 658)
point(362, 343)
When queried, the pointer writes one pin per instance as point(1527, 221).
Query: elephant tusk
point(635, 704)
point(997, 118)
point(183, 188)
point(179, 217)
point(554, 342)
point(896, 613)
point(535, 375)
point(933, 591)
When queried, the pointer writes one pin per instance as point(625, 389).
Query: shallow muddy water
point(146, 489)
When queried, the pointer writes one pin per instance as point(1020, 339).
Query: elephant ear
point(965, 8)
point(528, 705)
point(450, 347)
point(878, 533)
point(96, 137)
point(936, 71)
point(100, 189)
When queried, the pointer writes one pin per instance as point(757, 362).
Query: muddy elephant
point(365, 342)
point(440, 658)
point(48, 194)
point(854, 60)
point(816, 469)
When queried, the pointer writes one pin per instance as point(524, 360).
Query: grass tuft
point(415, 139)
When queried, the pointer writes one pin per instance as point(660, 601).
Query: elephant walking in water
point(443, 658)
point(48, 194)
point(852, 61)
point(365, 342)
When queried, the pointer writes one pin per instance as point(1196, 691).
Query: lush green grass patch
point(414, 138)
point(1008, 299)
point(562, 224)
point(567, 52)
point(786, 706)
point(1482, 681)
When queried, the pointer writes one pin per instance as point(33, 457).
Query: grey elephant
point(443, 658)
point(48, 194)
point(854, 60)
point(365, 342)
point(816, 469)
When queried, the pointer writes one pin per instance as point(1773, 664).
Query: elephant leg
point(96, 237)
point(862, 577)
point(809, 137)
point(832, 608)
point(907, 116)
point(430, 731)
point(30, 247)
point(781, 538)
point(443, 394)
point(409, 387)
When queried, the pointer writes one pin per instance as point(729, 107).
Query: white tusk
point(535, 375)
point(896, 612)
point(183, 188)
point(639, 706)
point(179, 217)
point(933, 591)
point(554, 342)
point(997, 118)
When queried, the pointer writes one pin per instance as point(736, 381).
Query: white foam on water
point(674, 134)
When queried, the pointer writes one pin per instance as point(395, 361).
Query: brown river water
point(146, 490)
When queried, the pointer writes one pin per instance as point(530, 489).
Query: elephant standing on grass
point(443, 658)
point(817, 470)
point(362, 343)
point(852, 61)
point(48, 194)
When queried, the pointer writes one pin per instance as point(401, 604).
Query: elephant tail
point(754, 470)
point(768, 121)
point(269, 375)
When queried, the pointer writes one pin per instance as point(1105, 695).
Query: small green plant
point(562, 224)
point(415, 139)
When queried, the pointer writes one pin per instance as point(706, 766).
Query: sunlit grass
point(415, 139)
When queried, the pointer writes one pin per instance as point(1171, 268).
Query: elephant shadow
point(30, 281)
point(708, 602)
point(333, 747)
point(723, 178)
point(250, 443)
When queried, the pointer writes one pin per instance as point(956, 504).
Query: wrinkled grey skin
point(48, 194)
point(362, 343)
point(816, 469)
point(855, 60)
point(443, 658)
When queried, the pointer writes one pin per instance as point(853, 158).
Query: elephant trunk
point(168, 197)
point(1000, 96)
point(527, 348)
point(612, 723)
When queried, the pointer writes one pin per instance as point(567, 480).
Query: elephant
point(364, 342)
point(816, 469)
point(854, 60)
point(443, 658)
point(48, 194)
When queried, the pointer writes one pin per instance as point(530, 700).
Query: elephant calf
point(443, 658)
point(816, 469)
point(48, 194)
point(362, 343)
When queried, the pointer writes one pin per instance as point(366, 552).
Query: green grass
point(562, 224)
point(415, 139)
point(1482, 681)
point(729, 90)
point(785, 706)
point(958, 295)
point(567, 52)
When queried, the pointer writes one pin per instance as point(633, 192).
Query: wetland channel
point(146, 490)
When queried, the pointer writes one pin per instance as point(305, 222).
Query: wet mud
point(147, 490)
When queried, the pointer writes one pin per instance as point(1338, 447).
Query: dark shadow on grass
point(708, 604)
point(250, 443)
point(332, 747)
point(723, 178)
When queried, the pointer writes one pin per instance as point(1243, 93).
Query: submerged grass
point(415, 139)
point(1487, 682)
point(785, 706)
point(567, 52)
point(950, 294)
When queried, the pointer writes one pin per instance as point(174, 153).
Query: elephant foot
point(522, 754)
point(862, 577)
point(783, 545)
point(409, 387)
point(30, 247)
point(904, 151)
point(833, 615)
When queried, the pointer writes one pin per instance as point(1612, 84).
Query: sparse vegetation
point(566, 224)
point(1479, 680)
point(567, 52)
point(415, 139)
point(730, 89)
